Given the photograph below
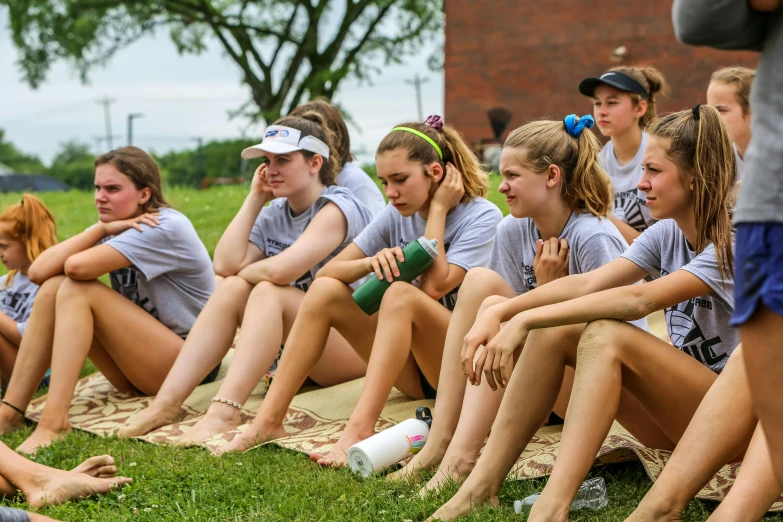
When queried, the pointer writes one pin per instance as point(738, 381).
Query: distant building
point(5, 170)
point(529, 57)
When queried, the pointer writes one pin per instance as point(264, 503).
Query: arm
point(322, 236)
point(9, 329)
point(723, 24)
point(348, 266)
point(94, 262)
point(51, 262)
point(627, 231)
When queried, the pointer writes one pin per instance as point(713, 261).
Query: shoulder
point(481, 207)
point(351, 169)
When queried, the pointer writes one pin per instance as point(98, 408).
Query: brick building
point(529, 57)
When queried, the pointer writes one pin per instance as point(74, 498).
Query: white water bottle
point(392, 445)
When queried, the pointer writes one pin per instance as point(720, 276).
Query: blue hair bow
point(574, 127)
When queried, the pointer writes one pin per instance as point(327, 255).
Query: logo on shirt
point(15, 304)
point(125, 281)
point(628, 208)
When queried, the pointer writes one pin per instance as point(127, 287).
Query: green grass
point(267, 484)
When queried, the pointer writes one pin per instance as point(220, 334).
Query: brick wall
point(529, 56)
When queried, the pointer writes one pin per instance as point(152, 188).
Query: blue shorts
point(758, 273)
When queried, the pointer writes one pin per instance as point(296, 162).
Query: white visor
point(282, 140)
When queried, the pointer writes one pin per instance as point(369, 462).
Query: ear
point(317, 162)
point(437, 171)
point(146, 194)
point(553, 176)
point(640, 109)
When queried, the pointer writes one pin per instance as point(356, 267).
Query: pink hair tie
point(434, 121)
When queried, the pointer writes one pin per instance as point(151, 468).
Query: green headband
point(421, 135)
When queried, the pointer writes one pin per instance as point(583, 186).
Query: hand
point(451, 189)
point(385, 263)
point(497, 361)
point(764, 5)
point(113, 228)
point(484, 329)
point(259, 186)
point(551, 261)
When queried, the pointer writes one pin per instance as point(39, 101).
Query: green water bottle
point(418, 256)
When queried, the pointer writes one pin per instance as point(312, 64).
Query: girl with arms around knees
point(651, 387)
point(559, 198)
point(349, 175)
point(436, 188)
point(624, 102)
point(161, 277)
point(269, 256)
point(26, 229)
point(729, 93)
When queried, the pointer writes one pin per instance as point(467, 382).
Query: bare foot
point(220, 418)
point(10, 420)
point(424, 461)
point(546, 511)
point(648, 512)
point(253, 436)
point(454, 468)
point(338, 455)
point(101, 467)
point(462, 504)
point(152, 417)
point(56, 486)
point(40, 438)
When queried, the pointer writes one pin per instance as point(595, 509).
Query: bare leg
point(8, 352)
point(479, 283)
point(132, 348)
point(409, 338)
point(719, 433)
point(208, 342)
point(328, 303)
point(765, 372)
point(614, 356)
point(34, 356)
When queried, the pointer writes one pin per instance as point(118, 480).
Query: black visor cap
point(614, 79)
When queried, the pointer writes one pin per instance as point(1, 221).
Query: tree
point(287, 50)
point(74, 165)
point(18, 160)
point(220, 159)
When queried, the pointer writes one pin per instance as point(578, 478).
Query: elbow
point(36, 274)
point(279, 277)
point(433, 291)
point(642, 306)
point(223, 269)
point(77, 270)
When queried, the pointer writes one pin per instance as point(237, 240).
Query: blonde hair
point(741, 78)
point(701, 146)
point(31, 223)
point(314, 124)
point(653, 82)
point(334, 122)
point(585, 187)
point(454, 149)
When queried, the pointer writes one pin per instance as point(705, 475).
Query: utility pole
point(417, 82)
point(98, 144)
point(106, 102)
point(131, 117)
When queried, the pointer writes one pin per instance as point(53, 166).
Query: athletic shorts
point(758, 270)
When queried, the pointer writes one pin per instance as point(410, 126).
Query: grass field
point(267, 484)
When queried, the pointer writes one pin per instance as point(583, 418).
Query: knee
point(491, 301)
point(231, 287)
point(48, 289)
point(71, 289)
point(264, 290)
point(480, 282)
point(325, 291)
point(600, 336)
point(398, 297)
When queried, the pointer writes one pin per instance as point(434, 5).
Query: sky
point(181, 98)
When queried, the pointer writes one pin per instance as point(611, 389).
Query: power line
point(417, 82)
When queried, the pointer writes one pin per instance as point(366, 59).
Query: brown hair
point(741, 78)
point(334, 121)
point(31, 223)
point(585, 187)
point(314, 124)
point(141, 169)
point(653, 82)
point(701, 146)
point(454, 149)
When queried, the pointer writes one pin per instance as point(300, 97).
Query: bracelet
point(17, 410)
point(226, 401)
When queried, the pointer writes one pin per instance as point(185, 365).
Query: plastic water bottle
point(418, 256)
point(591, 495)
point(390, 446)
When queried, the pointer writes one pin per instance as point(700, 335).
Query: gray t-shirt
point(170, 276)
point(629, 202)
point(740, 163)
point(468, 236)
point(592, 243)
point(363, 187)
point(700, 326)
point(277, 228)
point(733, 24)
point(16, 300)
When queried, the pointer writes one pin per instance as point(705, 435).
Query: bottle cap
point(423, 414)
point(429, 245)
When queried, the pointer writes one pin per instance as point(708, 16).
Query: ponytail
point(450, 145)
point(585, 186)
point(32, 224)
point(701, 146)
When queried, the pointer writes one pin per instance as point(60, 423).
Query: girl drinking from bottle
point(624, 102)
point(269, 256)
point(650, 386)
point(26, 229)
point(559, 197)
point(161, 276)
point(436, 189)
